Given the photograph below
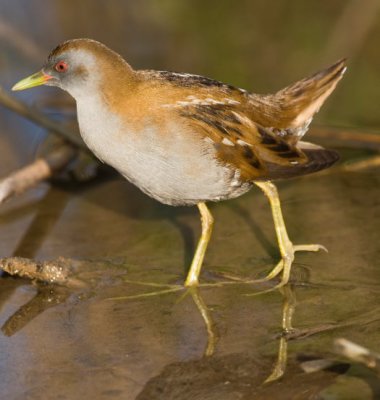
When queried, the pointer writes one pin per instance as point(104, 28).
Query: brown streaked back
point(290, 111)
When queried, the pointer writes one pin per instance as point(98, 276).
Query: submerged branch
point(58, 271)
point(46, 298)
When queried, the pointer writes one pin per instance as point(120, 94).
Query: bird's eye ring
point(61, 66)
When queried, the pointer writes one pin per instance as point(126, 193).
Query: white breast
point(176, 168)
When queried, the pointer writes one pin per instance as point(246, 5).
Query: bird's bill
point(37, 79)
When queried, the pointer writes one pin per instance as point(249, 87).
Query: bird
point(187, 140)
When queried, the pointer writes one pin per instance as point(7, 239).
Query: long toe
point(309, 247)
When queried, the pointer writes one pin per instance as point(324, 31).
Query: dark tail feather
point(318, 159)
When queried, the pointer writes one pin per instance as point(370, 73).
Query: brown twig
point(49, 272)
point(39, 170)
point(59, 271)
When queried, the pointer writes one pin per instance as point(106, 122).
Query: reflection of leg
point(287, 249)
point(288, 309)
point(196, 265)
point(210, 326)
point(280, 366)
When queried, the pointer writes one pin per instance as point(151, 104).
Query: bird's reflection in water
point(236, 375)
point(288, 309)
point(213, 375)
point(212, 334)
point(48, 296)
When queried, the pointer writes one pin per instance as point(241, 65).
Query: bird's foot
point(285, 265)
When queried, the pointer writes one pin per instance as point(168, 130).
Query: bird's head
point(79, 67)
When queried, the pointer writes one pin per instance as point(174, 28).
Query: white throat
point(98, 126)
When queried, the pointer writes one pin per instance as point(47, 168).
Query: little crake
point(185, 139)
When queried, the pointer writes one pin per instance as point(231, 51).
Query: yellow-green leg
point(192, 279)
point(196, 265)
point(288, 310)
point(287, 249)
point(212, 336)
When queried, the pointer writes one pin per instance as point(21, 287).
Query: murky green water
point(81, 343)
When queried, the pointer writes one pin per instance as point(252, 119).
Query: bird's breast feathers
point(165, 159)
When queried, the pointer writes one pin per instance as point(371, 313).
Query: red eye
point(61, 66)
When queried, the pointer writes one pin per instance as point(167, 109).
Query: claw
point(285, 265)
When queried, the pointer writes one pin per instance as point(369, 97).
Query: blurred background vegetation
point(256, 44)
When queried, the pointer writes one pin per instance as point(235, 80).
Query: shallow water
point(217, 343)
point(92, 342)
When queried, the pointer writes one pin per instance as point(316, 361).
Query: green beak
point(37, 79)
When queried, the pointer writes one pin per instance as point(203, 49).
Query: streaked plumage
point(186, 139)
